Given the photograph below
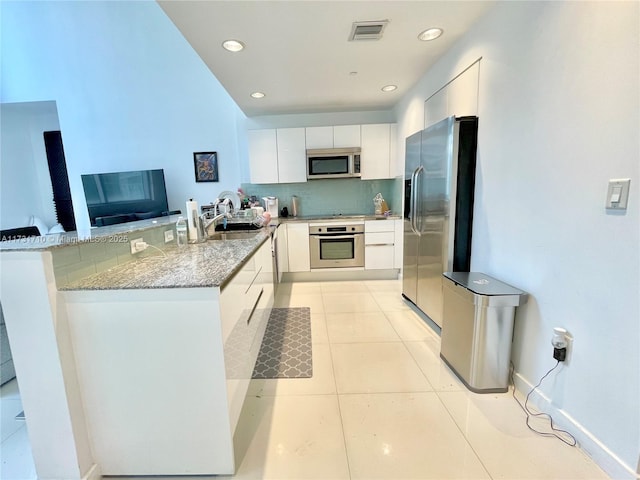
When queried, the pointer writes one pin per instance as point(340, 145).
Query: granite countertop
point(208, 264)
point(59, 240)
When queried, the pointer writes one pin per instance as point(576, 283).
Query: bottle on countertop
point(181, 232)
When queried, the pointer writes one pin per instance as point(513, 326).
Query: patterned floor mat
point(286, 348)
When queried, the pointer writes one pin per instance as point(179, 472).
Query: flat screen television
point(121, 197)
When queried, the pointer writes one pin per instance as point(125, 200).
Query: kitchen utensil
point(181, 232)
point(271, 206)
point(295, 206)
point(193, 221)
point(233, 198)
point(377, 202)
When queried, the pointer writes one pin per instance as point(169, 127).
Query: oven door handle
point(337, 237)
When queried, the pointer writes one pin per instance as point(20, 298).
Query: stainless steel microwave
point(333, 163)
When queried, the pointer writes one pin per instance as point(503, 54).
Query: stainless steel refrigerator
point(440, 170)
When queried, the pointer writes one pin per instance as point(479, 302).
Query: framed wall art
point(206, 166)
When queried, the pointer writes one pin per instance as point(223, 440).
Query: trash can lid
point(482, 284)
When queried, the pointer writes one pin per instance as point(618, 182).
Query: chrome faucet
point(206, 222)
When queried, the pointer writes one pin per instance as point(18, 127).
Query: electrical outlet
point(569, 349)
point(560, 354)
point(135, 250)
point(168, 236)
point(562, 342)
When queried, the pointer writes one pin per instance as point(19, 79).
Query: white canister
point(258, 211)
point(295, 206)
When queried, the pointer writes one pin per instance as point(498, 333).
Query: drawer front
point(378, 257)
point(378, 226)
point(379, 238)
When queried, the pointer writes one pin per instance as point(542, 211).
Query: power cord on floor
point(555, 431)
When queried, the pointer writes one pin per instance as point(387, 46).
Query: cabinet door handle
point(253, 281)
point(254, 306)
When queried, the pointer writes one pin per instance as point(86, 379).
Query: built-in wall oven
point(336, 246)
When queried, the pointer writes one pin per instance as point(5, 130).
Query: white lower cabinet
point(398, 252)
point(298, 243)
point(168, 369)
point(378, 257)
point(379, 244)
point(282, 250)
point(244, 315)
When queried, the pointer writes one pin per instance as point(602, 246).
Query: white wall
point(24, 171)
point(559, 115)
point(131, 92)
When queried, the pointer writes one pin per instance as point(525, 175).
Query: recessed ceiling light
point(389, 88)
point(233, 45)
point(430, 34)
point(258, 95)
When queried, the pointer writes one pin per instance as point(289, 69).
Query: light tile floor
point(16, 461)
point(380, 405)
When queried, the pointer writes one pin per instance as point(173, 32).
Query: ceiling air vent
point(367, 30)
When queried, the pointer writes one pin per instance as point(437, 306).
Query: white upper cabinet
point(462, 93)
point(292, 166)
point(263, 156)
point(277, 156)
point(459, 97)
point(319, 137)
point(339, 136)
point(396, 163)
point(346, 136)
point(435, 108)
point(376, 151)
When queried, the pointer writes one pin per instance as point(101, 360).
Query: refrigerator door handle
point(414, 199)
point(412, 204)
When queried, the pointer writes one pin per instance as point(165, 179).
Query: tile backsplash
point(77, 261)
point(331, 196)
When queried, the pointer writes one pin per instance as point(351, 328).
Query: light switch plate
point(168, 236)
point(618, 189)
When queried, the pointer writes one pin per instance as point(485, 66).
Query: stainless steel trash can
point(477, 329)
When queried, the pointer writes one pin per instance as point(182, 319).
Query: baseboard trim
point(607, 460)
point(338, 274)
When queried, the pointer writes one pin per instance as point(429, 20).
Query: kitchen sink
point(233, 235)
point(236, 226)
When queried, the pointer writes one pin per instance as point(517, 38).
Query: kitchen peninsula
point(142, 368)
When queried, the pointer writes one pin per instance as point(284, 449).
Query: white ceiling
point(297, 52)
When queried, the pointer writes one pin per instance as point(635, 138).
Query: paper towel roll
point(192, 220)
